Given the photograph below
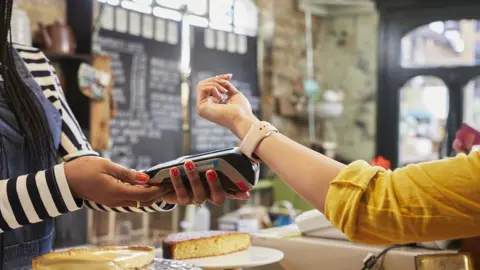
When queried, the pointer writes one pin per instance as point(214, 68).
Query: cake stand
point(252, 257)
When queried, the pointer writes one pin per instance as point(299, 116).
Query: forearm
point(424, 202)
point(32, 198)
point(307, 172)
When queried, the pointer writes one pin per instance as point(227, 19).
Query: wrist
point(243, 124)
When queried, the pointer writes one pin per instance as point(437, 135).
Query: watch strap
point(254, 136)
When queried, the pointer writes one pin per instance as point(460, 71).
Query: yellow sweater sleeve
point(429, 201)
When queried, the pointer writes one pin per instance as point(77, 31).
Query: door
point(428, 63)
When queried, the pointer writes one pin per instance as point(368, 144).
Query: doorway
point(429, 80)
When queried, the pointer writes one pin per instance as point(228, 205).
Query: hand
point(104, 182)
point(215, 193)
point(464, 146)
point(234, 113)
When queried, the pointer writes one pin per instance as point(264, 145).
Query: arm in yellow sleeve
point(429, 201)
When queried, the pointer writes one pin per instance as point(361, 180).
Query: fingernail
point(226, 75)
point(247, 195)
point(190, 166)
point(142, 177)
point(174, 171)
point(211, 176)
point(242, 186)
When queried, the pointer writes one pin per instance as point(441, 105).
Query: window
point(423, 117)
point(448, 43)
point(239, 16)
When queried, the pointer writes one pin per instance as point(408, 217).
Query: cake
point(106, 258)
point(190, 245)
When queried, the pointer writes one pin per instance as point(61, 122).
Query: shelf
point(324, 8)
point(69, 57)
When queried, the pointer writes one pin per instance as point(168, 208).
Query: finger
point(238, 195)
point(172, 198)
point(227, 76)
point(457, 144)
point(231, 90)
point(199, 194)
point(136, 193)
point(206, 91)
point(178, 186)
point(126, 175)
point(217, 194)
point(217, 84)
point(469, 139)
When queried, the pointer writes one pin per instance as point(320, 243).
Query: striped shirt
point(31, 198)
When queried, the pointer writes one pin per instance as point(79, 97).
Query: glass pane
point(423, 117)
point(471, 103)
point(447, 43)
point(245, 17)
point(221, 12)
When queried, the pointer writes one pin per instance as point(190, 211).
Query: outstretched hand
point(104, 182)
point(221, 103)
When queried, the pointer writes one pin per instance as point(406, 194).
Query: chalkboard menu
point(145, 53)
point(215, 53)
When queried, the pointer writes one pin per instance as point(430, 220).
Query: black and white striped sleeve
point(73, 143)
point(31, 198)
point(156, 207)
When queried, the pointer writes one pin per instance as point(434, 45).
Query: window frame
point(395, 22)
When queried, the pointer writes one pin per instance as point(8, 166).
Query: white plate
point(254, 256)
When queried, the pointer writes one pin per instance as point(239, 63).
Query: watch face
point(453, 261)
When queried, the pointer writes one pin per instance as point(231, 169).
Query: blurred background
point(353, 79)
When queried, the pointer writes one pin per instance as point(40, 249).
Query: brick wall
point(344, 59)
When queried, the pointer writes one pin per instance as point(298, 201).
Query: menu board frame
point(147, 129)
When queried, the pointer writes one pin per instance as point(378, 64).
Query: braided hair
point(22, 101)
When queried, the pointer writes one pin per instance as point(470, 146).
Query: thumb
point(126, 175)
point(209, 108)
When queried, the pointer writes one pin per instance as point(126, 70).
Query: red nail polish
point(242, 186)
point(142, 177)
point(190, 166)
point(174, 171)
point(211, 176)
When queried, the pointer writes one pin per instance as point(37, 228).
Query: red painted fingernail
point(174, 171)
point(211, 176)
point(142, 177)
point(242, 186)
point(190, 166)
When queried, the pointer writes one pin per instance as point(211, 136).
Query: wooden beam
point(316, 10)
point(324, 8)
point(346, 11)
point(352, 3)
